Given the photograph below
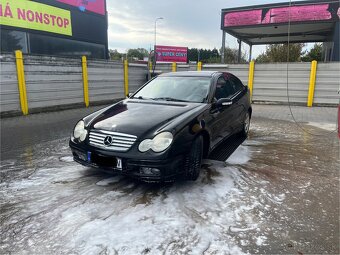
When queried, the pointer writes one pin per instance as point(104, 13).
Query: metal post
point(251, 78)
point(21, 82)
point(156, 30)
point(85, 81)
point(199, 66)
point(174, 67)
point(239, 51)
point(223, 47)
point(250, 52)
point(126, 78)
point(312, 79)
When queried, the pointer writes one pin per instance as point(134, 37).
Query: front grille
point(113, 141)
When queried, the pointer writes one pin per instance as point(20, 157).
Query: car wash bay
point(276, 193)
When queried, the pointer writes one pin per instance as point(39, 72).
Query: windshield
point(188, 89)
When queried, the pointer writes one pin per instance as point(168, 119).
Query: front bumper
point(155, 170)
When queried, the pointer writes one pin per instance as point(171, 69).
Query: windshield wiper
point(169, 99)
point(140, 97)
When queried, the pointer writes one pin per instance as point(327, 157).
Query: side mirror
point(223, 102)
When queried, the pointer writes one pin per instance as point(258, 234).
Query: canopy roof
point(307, 21)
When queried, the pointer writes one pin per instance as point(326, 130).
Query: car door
point(221, 118)
point(238, 99)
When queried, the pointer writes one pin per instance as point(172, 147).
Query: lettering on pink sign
point(171, 54)
point(297, 13)
point(317, 12)
point(243, 18)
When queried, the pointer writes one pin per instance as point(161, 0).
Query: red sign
point(97, 6)
point(171, 54)
point(315, 12)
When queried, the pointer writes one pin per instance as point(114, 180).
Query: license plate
point(81, 155)
point(119, 164)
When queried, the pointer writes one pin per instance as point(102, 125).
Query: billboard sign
point(277, 15)
point(36, 16)
point(171, 54)
point(96, 6)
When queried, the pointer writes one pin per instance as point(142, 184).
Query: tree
point(137, 54)
point(279, 53)
point(231, 56)
point(11, 41)
point(203, 55)
point(115, 55)
point(314, 54)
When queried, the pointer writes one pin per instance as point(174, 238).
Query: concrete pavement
point(278, 193)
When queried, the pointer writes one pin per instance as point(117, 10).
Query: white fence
point(55, 81)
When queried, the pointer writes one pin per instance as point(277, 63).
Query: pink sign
point(278, 15)
point(97, 6)
point(171, 54)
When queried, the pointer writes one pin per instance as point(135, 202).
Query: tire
point(194, 160)
point(246, 125)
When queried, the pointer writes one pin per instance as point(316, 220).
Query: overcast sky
point(188, 23)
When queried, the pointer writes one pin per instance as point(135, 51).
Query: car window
point(190, 89)
point(237, 84)
point(224, 88)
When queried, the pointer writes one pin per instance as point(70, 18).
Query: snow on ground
point(63, 207)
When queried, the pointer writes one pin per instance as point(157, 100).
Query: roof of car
point(190, 74)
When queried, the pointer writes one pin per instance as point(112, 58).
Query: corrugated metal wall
point(240, 70)
point(270, 82)
point(9, 93)
point(327, 83)
point(106, 80)
point(138, 74)
point(53, 81)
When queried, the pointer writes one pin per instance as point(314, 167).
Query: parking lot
point(277, 193)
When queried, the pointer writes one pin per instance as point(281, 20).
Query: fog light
point(150, 171)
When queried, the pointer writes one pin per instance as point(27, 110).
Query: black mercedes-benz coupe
point(165, 128)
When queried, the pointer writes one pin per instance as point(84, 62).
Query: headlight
point(159, 143)
point(79, 131)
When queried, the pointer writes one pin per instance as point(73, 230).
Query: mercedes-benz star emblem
point(108, 140)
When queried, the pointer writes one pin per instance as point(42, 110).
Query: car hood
point(138, 117)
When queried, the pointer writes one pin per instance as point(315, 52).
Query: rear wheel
point(246, 125)
point(194, 160)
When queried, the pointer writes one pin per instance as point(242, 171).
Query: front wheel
point(194, 159)
point(246, 125)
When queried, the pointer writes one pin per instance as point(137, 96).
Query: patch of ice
point(66, 159)
point(108, 181)
point(80, 216)
point(260, 240)
point(240, 156)
point(236, 229)
point(325, 126)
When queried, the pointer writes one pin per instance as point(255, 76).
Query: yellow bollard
point(21, 82)
point(312, 79)
point(85, 81)
point(199, 66)
point(251, 78)
point(174, 67)
point(126, 78)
